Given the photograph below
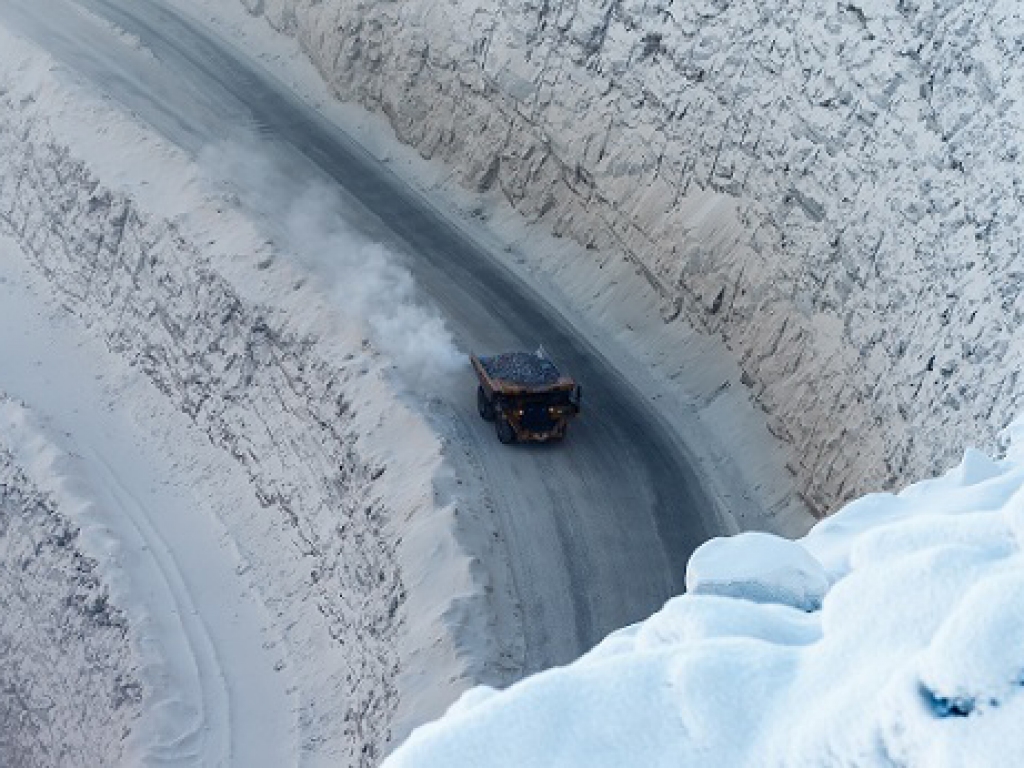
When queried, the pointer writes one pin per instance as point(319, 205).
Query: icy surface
point(759, 567)
point(914, 657)
point(833, 188)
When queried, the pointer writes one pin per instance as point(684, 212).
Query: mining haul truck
point(525, 395)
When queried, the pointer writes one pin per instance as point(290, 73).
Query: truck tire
point(483, 405)
point(506, 434)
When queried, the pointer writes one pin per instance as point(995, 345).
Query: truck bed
point(521, 369)
point(525, 395)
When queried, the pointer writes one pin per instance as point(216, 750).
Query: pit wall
point(299, 400)
point(833, 190)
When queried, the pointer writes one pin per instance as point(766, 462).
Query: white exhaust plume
point(308, 218)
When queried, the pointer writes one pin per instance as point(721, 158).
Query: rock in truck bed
point(521, 369)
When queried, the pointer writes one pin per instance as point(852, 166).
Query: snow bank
point(913, 658)
point(833, 189)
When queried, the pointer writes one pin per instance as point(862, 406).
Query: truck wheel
point(506, 434)
point(484, 406)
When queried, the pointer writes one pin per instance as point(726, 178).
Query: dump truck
point(525, 395)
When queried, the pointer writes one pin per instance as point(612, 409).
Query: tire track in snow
point(207, 737)
point(218, 690)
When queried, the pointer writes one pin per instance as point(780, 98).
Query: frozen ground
point(904, 593)
point(582, 535)
point(69, 688)
point(888, 636)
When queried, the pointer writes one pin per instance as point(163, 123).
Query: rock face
point(832, 189)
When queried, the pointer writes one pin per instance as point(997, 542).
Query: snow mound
point(760, 567)
point(889, 635)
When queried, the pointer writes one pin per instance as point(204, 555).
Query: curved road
point(598, 528)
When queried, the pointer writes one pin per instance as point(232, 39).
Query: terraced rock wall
point(263, 393)
point(835, 189)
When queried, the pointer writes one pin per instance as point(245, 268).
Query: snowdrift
point(890, 635)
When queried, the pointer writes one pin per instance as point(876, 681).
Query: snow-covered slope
point(889, 636)
point(69, 690)
point(833, 188)
point(271, 440)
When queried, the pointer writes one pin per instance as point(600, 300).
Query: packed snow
point(890, 635)
point(690, 374)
